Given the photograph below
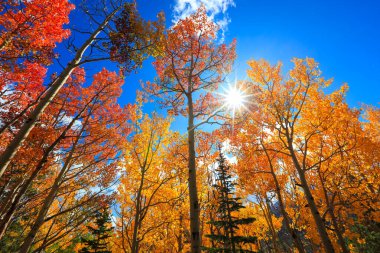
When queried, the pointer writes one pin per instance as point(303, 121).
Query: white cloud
point(66, 120)
point(216, 10)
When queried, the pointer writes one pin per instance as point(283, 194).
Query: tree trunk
point(311, 203)
point(8, 204)
point(42, 213)
point(8, 197)
point(295, 238)
point(330, 209)
point(49, 199)
point(192, 183)
point(135, 242)
point(179, 240)
point(5, 220)
point(22, 113)
point(10, 208)
point(338, 232)
point(267, 212)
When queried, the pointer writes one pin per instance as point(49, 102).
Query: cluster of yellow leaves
point(152, 190)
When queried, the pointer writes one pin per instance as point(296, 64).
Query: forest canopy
point(278, 161)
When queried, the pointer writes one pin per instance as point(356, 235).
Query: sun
point(234, 98)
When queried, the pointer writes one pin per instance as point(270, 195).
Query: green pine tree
point(224, 238)
point(96, 241)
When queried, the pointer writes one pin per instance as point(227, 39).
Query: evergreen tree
point(224, 238)
point(96, 242)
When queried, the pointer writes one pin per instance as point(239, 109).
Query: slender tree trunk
point(311, 203)
point(180, 244)
point(135, 242)
point(43, 244)
point(43, 211)
point(57, 238)
point(181, 227)
point(194, 205)
point(22, 113)
point(9, 209)
point(45, 241)
point(6, 182)
point(267, 212)
point(6, 218)
point(8, 197)
point(122, 232)
point(52, 91)
point(338, 232)
point(330, 209)
point(49, 199)
point(295, 238)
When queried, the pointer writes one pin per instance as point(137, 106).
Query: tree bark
point(49, 199)
point(42, 213)
point(295, 238)
point(192, 182)
point(267, 213)
point(179, 238)
point(311, 203)
point(330, 209)
point(9, 212)
point(135, 242)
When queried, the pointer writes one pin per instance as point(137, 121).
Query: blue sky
point(343, 36)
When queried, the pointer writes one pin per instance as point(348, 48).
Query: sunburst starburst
point(234, 98)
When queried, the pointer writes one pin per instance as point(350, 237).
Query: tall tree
point(226, 222)
point(51, 133)
point(144, 190)
point(302, 132)
point(103, 43)
point(285, 103)
point(87, 164)
point(192, 65)
point(260, 173)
